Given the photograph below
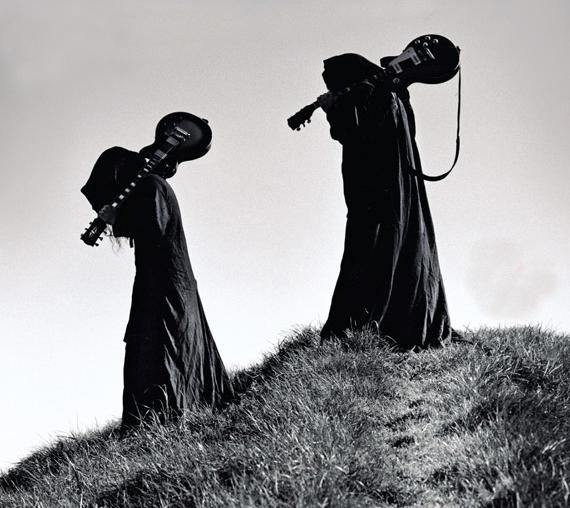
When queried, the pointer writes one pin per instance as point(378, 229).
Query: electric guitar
point(189, 138)
point(429, 59)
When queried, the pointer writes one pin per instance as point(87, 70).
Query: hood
point(114, 169)
point(342, 70)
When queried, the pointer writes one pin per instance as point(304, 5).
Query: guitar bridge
point(429, 53)
point(180, 133)
point(177, 136)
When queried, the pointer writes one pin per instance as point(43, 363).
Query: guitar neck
point(160, 155)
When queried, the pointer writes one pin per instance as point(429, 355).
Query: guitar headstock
point(92, 234)
point(302, 117)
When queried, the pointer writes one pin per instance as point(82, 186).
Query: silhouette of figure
point(389, 273)
point(171, 359)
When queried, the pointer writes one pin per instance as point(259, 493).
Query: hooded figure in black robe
point(171, 359)
point(389, 274)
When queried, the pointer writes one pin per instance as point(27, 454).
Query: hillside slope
point(357, 423)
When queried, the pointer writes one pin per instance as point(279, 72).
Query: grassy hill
point(357, 423)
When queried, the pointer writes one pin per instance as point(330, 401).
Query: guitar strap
point(418, 172)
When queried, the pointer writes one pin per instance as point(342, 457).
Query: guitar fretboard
point(176, 138)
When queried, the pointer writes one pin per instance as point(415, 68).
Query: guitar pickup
point(172, 141)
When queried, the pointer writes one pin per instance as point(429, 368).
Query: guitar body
point(181, 137)
point(199, 139)
point(430, 59)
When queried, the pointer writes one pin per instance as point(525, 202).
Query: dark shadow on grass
point(404, 420)
point(403, 441)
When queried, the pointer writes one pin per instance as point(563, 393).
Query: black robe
point(171, 359)
point(389, 274)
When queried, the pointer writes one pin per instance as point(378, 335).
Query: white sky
point(263, 211)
